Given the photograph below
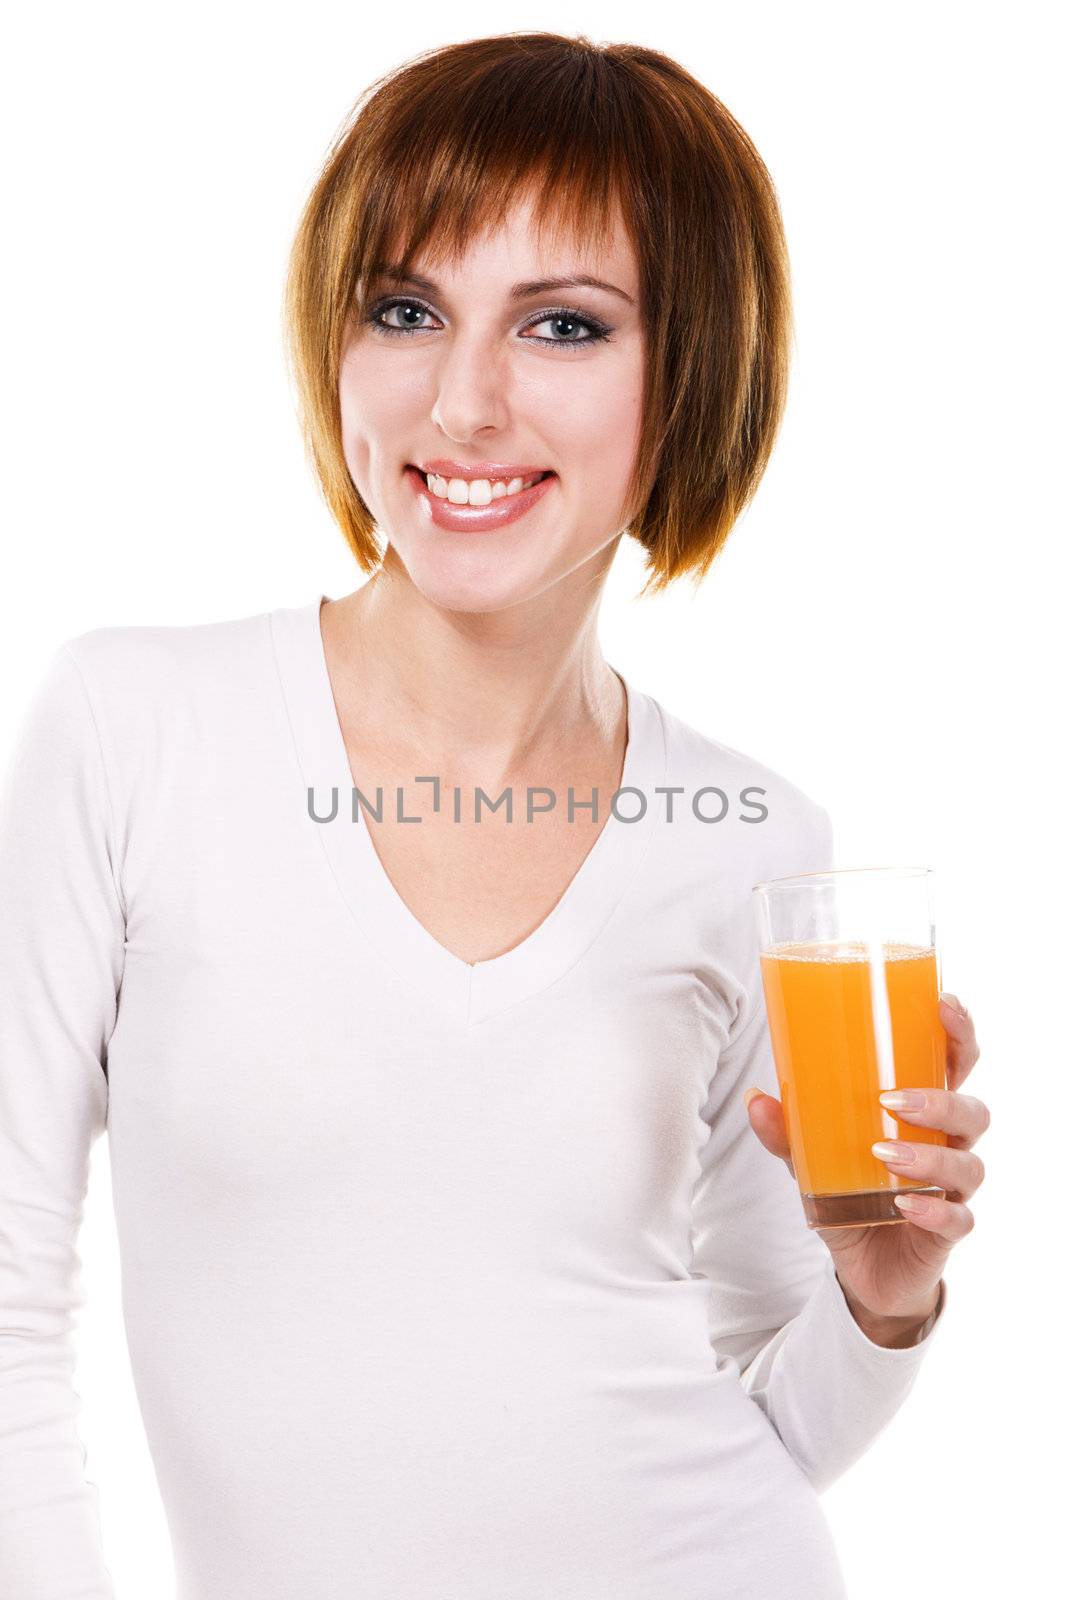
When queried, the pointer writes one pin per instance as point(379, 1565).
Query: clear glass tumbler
point(851, 979)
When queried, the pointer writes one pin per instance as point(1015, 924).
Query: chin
point(480, 583)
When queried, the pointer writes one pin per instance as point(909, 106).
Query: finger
point(946, 1220)
point(963, 1049)
point(767, 1117)
point(958, 1172)
point(962, 1116)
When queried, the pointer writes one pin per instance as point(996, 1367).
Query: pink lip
point(443, 467)
point(476, 519)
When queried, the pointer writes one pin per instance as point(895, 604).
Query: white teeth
point(476, 491)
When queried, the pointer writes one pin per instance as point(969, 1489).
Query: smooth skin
point(895, 1272)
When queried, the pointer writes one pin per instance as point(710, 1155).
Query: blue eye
point(391, 305)
point(594, 330)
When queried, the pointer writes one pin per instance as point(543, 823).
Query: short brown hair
point(440, 147)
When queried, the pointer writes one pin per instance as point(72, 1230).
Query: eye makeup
point(596, 331)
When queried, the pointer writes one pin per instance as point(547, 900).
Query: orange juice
point(843, 1029)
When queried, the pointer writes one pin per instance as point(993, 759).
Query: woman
point(452, 1262)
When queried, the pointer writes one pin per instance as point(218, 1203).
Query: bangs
point(458, 159)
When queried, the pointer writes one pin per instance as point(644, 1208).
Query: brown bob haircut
point(443, 146)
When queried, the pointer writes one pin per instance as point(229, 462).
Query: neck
point(505, 688)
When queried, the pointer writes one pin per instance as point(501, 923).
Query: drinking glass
point(851, 978)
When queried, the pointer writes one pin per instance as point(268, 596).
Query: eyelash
point(597, 331)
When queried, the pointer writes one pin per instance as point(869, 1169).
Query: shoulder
point(125, 666)
point(161, 698)
point(772, 825)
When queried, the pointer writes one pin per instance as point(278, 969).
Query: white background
point(884, 627)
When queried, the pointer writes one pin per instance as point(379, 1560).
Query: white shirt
point(440, 1281)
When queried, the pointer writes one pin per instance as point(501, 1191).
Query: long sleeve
point(62, 934)
point(776, 1307)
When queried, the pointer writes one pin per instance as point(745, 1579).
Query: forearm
point(826, 1386)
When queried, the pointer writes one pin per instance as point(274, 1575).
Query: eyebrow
point(519, 291)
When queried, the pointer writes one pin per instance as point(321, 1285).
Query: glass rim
point(832, 873)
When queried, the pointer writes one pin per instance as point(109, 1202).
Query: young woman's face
point(463, 372)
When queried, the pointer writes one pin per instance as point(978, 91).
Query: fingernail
point(749, 1094)
point(903, 1099)
point(890, 1150)
point(954, 1005)
point(910, 1202)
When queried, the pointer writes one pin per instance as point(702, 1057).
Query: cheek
point(602, 437)
point(376, 404)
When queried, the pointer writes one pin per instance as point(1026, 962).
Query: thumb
point(767, 1118)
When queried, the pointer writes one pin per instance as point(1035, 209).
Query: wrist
point(895, 1332)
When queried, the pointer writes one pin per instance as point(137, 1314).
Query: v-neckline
point(470, 992)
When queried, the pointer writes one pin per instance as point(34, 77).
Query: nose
point(470, 391)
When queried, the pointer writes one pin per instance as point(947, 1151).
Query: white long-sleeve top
point(440, 1281)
